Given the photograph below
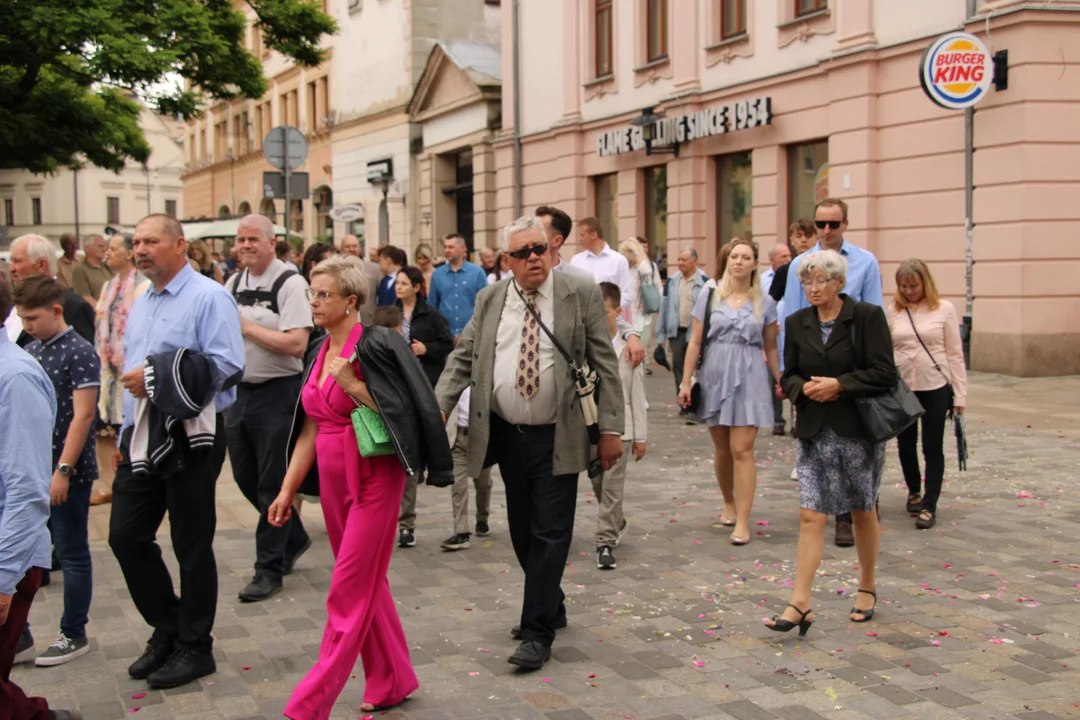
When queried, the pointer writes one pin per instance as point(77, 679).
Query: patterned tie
point(528, 372)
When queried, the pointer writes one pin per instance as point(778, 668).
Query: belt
point(526, 429)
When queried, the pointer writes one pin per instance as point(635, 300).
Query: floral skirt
point(839, 474)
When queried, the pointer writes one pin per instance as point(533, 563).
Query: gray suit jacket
point(373, 275)
point(581, 328)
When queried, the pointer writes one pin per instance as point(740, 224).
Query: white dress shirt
point(505, 399)
point(608, 266)
point(13, 325)
point(766, 280)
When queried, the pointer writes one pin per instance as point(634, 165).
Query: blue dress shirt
point(192, 312)
point(26, 467)
point(453, 293)
point(863, 283)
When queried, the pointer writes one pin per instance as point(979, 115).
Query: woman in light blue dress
point(739, 357)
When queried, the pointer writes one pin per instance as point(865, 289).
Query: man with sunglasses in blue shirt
point(863, 285)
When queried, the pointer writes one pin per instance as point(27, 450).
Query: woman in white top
point(927, 350)
point(640, 273)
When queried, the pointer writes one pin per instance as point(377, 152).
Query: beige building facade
point(779, 103)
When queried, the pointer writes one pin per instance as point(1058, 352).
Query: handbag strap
point(919, 338)
point(705, 328)
point(536, 316)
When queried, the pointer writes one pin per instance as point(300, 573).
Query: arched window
point(244, 209)
point(223, 211)
point(323, 198)
point(267, 208)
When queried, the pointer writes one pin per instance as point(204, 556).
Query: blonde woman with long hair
point(631, 249)
point(733, 377)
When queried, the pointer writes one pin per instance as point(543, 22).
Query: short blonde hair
point(349, 273)
point(829, 262)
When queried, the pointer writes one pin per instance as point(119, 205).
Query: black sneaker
point(292, 557)
point(63, 650)
point(158, 651)
point(406, 538)
point(482, 529)
point(605, 559)
point(460, 541)
point(184, 666)
point(261, 587)
point(24, 651)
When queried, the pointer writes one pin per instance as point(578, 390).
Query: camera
point(595, 468)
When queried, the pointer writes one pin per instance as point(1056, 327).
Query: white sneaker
point(63, 650)
point(795, 473)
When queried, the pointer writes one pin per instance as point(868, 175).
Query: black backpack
point(254, 297)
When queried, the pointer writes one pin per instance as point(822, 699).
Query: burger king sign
point(957, 71)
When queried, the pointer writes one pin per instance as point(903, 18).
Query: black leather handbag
point(890, 413)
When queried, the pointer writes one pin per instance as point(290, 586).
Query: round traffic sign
point(285, 145)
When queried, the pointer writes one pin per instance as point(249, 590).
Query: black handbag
point(948, 381)
point(886, 415)
point(695, 389)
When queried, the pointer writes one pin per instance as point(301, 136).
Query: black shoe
point(292, 557)
point(65, 715)
point(530, 655)
point(779, 624)
point(845, 536)
point(406, 538)
point(482, 529)
point(926, 520)
point(560, 624)
point(605, 559)
point(459, 541)
point(184, 666)
point(914, 503)
point(24, 651)
point(868, 615)
point(158, 651)
point(261, 587)
point(778, 430)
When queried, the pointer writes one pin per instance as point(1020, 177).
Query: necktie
point(528, 372)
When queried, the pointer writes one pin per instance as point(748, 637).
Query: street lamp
point(647, 121)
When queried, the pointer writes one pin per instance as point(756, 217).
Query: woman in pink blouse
point(926, 345)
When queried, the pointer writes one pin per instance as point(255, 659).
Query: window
point(35, 210)
point(355, 5)
point(808, 178)
point(607, 206)
point(112, 210)
point(734, 182)
point(603, 38)
point(258, 126)
point(170, 207)
point(656, 30)
point(9, 212)
point(808, 7)
point(732, 18)
point(312, 107)
point(656, 211)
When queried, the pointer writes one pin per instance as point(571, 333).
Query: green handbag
point(372, 436)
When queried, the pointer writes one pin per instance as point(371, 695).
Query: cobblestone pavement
point(978, 617)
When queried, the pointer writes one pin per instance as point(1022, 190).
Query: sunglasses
point(834, 224)
point(525, 252)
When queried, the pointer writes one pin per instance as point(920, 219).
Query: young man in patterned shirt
point(73, 367)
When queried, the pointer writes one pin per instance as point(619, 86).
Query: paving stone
point(746, 710)
point(1025, 673)
point(797, 712)
point(946, 697)
point(895, 694)
point(1040, 662)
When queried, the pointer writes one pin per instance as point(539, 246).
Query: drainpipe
point(969, 214)
point(517, 112)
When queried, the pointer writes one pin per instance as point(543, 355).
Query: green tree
point(70, 70)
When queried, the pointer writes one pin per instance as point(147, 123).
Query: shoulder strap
point(705, 327)
point(919, 338)
point(536, 316)
point(236, 276)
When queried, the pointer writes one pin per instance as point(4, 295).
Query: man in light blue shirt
point(26, 471)
point(863, 285)
point(455, 285)
point(185, 310)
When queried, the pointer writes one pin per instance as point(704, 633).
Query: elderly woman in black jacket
point(835, 351)
point(424, 327)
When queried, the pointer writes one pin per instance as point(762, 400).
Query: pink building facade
point(779, 103)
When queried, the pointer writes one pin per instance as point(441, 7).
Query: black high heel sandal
point(914, 503)
point(782, 625)
point(867, 614)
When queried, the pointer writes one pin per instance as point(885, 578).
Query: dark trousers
point(14, 704)
point(257, 430)
point(540, 510)
point(139, 506)
point(678, 356)
point(69, 524)
point(777, 403)
point(937, 404)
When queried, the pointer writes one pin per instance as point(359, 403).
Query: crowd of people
point(153, 359)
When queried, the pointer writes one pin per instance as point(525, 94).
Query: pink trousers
point(361, 510)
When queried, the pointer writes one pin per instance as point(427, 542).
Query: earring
point(346, 311)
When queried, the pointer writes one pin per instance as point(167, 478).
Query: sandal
point(914, 503)
point(736, 540)
point(779, 624)
point(926, 520)
point(867, 614)
point(726, 522)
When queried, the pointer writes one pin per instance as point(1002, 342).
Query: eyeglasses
point(834, 224)
point(525, 252)
point(816, 284)
point(323, 295)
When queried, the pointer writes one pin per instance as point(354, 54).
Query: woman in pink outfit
point(361, 498)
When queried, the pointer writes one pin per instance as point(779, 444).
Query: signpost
point(285, 148)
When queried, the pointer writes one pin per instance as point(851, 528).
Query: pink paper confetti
point(935, 643)
point(138, 696)
point(997, 641)
point(871, 634)
point(763, 523)
point(698, 663)
point(473, 674)
point(547, 680)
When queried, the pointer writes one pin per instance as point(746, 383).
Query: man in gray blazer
point(524, 414)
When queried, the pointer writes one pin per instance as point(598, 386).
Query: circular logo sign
point(957, 71)
point(346, 213)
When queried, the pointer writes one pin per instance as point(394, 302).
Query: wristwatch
point(65, 470)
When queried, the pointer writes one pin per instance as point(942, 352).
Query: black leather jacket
point(405, 400)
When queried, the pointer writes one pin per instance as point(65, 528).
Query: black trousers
point(257, 428)
point(540, 510)
point(678, 356)
point(139, 505)
point(937, 404)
